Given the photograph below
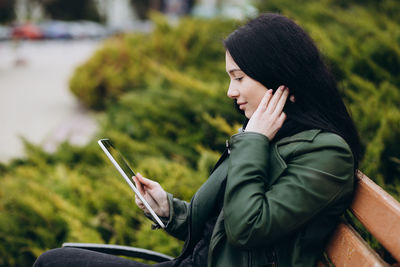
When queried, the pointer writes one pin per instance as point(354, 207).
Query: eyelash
point(238, 79)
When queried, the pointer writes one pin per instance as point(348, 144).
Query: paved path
point(35, 101)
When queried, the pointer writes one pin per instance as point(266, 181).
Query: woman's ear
point(292, 99)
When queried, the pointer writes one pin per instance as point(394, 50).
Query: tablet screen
point(125, 170)
point(118, 157)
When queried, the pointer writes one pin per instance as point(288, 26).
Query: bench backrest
point(380, 214)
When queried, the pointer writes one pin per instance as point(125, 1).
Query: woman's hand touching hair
point(153, 193)
point(269, 116)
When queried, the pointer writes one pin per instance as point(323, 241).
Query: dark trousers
point(83, 257)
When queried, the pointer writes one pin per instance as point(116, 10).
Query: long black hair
point(273, 50)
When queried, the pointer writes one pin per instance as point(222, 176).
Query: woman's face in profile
point(246, 91)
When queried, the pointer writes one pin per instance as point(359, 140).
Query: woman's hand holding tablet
point(149, 190)
point(154, 195)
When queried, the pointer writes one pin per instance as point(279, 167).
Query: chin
point(248, 114)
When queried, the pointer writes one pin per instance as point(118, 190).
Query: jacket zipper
point(275, 258)
point(249, 263)
point(187, 242)
point(228, 146)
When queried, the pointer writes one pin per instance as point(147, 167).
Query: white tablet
point(122, 166)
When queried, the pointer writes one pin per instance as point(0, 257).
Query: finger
point(146, 186)
point(281, 119)
point(139, 203)
point(146, 182)
point(142, 206)
point(139, 185)
point(274, 100)
point(265, 100)
point(281, 102)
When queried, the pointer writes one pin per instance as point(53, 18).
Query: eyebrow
point(233, 70)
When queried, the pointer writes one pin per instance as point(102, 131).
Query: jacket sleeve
point(177, 224)
point(316, 174)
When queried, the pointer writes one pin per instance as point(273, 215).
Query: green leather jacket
point(282, 200)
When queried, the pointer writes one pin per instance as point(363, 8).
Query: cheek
point(253, 91)
point(258, 93)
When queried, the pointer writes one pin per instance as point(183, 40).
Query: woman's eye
point(238, 79)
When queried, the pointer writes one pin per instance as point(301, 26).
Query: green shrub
point(135, 61)
point(162, 98)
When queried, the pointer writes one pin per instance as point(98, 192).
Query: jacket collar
point(307, 135)
point(277, 164)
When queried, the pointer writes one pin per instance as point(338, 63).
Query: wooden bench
point(380, 214)
point(372, 206)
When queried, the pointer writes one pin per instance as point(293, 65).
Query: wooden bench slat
point(347, 248)
point(379, 213)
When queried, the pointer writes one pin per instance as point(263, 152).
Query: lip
point(242, 105)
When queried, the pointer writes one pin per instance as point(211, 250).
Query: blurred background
point(150, 75)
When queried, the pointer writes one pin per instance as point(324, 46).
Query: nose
point(232, 92)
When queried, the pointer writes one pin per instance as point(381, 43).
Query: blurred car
point(5, 33)
point(26, 31)
point(77, 30)
point(55, 30)
point(72, 29)
point(93, 29)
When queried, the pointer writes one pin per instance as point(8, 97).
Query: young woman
point(278, 190)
